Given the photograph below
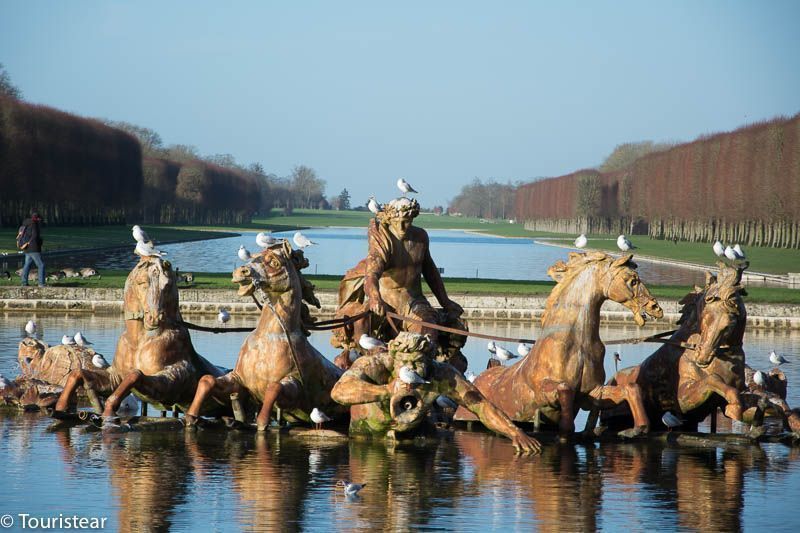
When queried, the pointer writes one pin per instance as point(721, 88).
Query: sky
point(437, 92)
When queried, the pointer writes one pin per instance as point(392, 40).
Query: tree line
point(491, 200)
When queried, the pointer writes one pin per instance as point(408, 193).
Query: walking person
point(29, 240)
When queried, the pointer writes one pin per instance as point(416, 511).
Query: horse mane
point(724, 285)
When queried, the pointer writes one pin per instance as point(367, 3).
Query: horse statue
point(154, 358)
point(702, 365)
point(564, 370)
point(277, 366)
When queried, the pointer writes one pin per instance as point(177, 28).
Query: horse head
point(273, 271)
point(624, 286)
point(717, 311)
point(151, 293)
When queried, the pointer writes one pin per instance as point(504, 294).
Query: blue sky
point(437, 92)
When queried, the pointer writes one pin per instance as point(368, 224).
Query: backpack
point(23, 237)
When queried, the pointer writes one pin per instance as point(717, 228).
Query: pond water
point(461, 254)
point(229, 481)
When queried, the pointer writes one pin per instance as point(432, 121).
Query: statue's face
point(416, 361)
point(399, 226)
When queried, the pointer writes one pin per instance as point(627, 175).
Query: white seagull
point(719, 249)
point(146, 249)
point(243, 254)
point(504, 355)
point(319, 418)
point(80, 340)
point(404, 186)
point(99, 361)
point(671, 421)
point(731, 254)
point(370, 343)
point(523, 349)
point(777, 359)
point(140, 235)
point(4, 382)
point(491, 347)
point(410, 377)
point(129, 405)
point(581, 241)
point(446, 403)
point(738, 250)
point(301, 241)
point(66, 340)
point(265, 240)
point(759, 378)
point(223, 316)
point(470, 375)
point(624, 244)
point(350, 489)
point(373, 205)
point(30, 328)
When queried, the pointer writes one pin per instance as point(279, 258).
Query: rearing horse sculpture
point(564, 370)
point(155, 358)
point(276, 365)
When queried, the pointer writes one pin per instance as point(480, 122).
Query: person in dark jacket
point(32, 247)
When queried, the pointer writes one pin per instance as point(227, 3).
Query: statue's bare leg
point(560, 394)
point(287, 391)
point(167, 386)
point(692, 394)
point(606, 396)
point(219, 388)
point(99, 381)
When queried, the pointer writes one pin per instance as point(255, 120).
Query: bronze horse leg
point(98, 381)
point(171, 382)
point(287, 391)
point(605, 396)
point(559, 393)
point(695, 392)
point(219, 388)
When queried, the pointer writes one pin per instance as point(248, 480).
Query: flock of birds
point(733, 253)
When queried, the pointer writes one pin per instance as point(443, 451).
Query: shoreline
point(512, 308)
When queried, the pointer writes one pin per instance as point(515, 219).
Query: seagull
point(370, 343)
point(4, 382)
point(30, 328)
point(759, 378)
point(738, 250)
point(470, 375)
point(624, 244)
point(373, 205)
point(243, 254)
point(301, 241)
point(66, 340)
point(129, 405)
point(617, 359)
point(731, 254)
point(353, 355)
point(777, 359)
point(146, 249)
point(404, 186)
point(445, 403)
point(581, 241)
point(504, 355)
point(350, 489)
point(410, 377)
point(671, 421)
point(523, 349)
point(80, 340)
point(319, 418)
point(223, 316)
point(491, 347)
point(719, 249)
point(99, 361)
point(140, 235)
point(265, 240)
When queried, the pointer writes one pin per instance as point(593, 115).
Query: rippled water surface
point(461, 254)
point(230, 481)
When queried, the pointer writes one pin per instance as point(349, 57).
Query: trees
point(485, 200)
point(343, 200)
point(625, 154)
point(152, 145)
point(588, 201)
point(307, 188)
point(7, 88)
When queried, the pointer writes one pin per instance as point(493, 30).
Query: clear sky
point(438, 92)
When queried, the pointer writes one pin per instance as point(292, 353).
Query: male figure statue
point(382, 401)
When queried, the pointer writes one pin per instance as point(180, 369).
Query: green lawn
point(769, 260)
point(74, 237)
point(455, 286)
